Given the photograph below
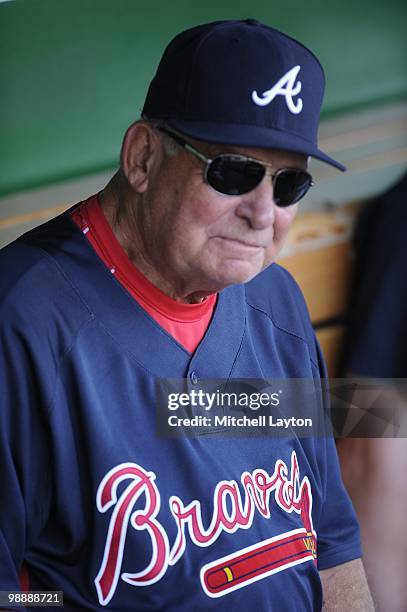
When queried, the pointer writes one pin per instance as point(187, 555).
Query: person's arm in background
point(345, 588)
point(374, 464)
point(374, 472)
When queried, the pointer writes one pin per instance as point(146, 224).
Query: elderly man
point(166, 274)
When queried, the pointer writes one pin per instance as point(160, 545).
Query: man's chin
point(237, 274)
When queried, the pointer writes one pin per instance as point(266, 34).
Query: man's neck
point(126, 232)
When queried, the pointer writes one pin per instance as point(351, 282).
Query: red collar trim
point(115, 257)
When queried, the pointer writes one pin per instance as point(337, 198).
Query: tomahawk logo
point(137, 506)
point(286, 87)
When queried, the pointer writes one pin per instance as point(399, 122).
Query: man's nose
point(258, 206)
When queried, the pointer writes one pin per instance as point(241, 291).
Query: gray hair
point(171, 147)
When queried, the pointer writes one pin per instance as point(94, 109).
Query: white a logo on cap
point(286, 87)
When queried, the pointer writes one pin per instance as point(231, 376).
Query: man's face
point(203, 241)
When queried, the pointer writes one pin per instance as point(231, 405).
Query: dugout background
point(74, 72)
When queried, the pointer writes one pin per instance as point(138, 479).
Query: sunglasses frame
point(269, 169)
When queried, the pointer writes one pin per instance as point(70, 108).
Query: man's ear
point(141, 146)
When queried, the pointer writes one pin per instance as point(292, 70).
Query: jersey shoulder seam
point(67, 280)
point(282, 329)
point(50, 407)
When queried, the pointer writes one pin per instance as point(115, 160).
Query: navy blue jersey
point(101, 508)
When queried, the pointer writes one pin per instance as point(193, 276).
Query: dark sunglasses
point(234, 175)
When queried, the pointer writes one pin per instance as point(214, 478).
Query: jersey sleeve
point(24, 453)
point(338, 528)
point(338, 538)
point(27, 379)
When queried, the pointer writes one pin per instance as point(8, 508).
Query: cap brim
point(251, 136)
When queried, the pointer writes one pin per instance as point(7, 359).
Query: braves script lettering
point(234, 507)
point(286, 87)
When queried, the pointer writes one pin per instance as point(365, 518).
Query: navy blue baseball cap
point(240, 83)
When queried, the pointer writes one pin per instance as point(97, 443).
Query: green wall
point(74, 73)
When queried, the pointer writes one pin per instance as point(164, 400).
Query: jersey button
point(194, 377)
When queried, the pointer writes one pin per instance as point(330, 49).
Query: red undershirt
point(187, 323)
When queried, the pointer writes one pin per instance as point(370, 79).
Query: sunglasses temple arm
point(198, 154)
point(183, 143)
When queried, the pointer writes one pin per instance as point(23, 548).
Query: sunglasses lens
point(234, 176)
point(290, 185)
